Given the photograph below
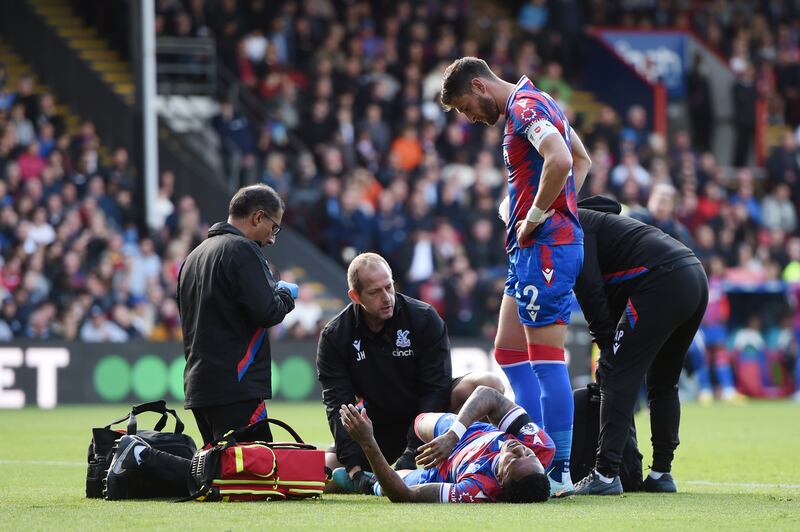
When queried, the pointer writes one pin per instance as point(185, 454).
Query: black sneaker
point(123, 468)
point(664, 484)
point(592, 485)
point(407, 460)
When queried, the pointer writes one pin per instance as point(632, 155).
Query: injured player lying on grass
point(465, 460)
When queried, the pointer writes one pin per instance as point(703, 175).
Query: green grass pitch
point(738, 468)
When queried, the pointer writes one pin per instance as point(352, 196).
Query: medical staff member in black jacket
point(643, 294)
point(228, 300)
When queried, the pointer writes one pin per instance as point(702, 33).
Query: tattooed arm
point(359, 426)
point(484, 401)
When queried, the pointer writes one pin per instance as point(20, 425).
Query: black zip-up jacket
point(227, 301)
point(618, 254)
point(399, 372)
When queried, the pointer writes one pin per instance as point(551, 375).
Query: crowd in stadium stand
point(382, 167)
point(74, 263)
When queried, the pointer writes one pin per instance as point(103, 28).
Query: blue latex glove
point(291, 287)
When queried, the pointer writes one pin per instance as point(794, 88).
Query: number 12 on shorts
point(532, 307)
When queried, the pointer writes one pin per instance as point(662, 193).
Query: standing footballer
point(544, 240)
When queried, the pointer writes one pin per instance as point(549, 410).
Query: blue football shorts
point(540, 279)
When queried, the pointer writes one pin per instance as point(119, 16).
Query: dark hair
point(255, 197)
point(533, 488)
point(458, 76)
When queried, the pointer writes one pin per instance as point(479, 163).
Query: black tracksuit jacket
point(399, 372)
point(619, 253)
point(227, 301)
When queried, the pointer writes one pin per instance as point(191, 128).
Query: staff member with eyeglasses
point(228, 300)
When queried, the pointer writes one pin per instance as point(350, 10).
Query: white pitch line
point(42, 463)
point(741, 484)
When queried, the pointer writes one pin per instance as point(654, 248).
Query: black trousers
point(652, 337)
point(214, 422)
point(171, 471)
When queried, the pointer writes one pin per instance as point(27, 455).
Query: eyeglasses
point(276, 227)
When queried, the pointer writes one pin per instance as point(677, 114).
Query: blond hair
point(361, 261)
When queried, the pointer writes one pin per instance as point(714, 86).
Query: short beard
point(489, 109)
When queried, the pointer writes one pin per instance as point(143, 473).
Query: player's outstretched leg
point(549, 365)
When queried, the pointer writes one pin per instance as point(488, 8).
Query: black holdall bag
point(104, 440)
point(585, 439)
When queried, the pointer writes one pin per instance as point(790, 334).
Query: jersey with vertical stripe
point(528, 108)
point(469, 473)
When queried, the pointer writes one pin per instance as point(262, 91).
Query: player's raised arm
point(359, 426)
point(484, 402)
point(581, 162)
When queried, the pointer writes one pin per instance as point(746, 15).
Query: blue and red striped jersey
point(528, 107)
point(469, 472)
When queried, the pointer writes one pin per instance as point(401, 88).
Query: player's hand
point(291, 287)
point(358, 425)
point(525, 228)
point(437, 450)
point(602, 362)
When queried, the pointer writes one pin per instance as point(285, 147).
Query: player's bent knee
point(331, 461)
point(471, 382)
point(485, 378)
point(425, 424)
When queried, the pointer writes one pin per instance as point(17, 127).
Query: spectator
point(31, 163)
point(143, 267)
point(635, 134)
point(778, 209)
point(629, 169)
point(25, 96)
point(607, 131)
point(701, 105)
point(23, 126)
point(98, 328)
point(306, 318)
point(553, 83)
point(276, 174)
point(406, 151)
point(164, 206)
point(120, 175)
point(783, 164)
point(236, 139)
point(744, 113)
point(48, 114)
point(533, 16)
point(660, 212)
point(745, 196)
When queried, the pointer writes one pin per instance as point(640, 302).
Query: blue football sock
point(557, 412)
point(526, 389)
point(704, 379)
point(724, 375)
point(797, 375)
